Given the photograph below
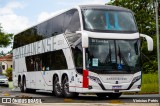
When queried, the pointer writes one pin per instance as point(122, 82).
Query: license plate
point(116, 87)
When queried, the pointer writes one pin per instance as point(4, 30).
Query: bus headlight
point(95, 79)
point(135, 79)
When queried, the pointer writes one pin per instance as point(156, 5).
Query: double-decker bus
point(85, 49)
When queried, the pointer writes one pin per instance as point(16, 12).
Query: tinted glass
point(67, 18)
point(57, 23)
point(27, 37)
point(113, 55)
point(47, 61)
point(78, 57)
point(74, 24)
point(54, 26)
point(106, 20)
point(16, 42)
point(44, 29)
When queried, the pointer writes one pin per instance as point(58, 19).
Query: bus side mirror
point(149, 41)
point(84, 39)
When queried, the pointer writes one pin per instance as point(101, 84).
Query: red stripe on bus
point(85, 78)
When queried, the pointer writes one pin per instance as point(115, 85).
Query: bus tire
point(114, 95)
point(65, 85)
point(101, 95)
point(57, 87)
point(22, 85)
point(30, 90)
point(19, 81)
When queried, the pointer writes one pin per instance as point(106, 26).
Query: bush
point(9, 74)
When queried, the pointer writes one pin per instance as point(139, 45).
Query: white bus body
point(79, 51)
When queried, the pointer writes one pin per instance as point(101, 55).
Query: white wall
point(7, 64)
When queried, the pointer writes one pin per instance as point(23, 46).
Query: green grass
point(149, 83)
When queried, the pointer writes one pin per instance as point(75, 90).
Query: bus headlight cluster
point(95, 79)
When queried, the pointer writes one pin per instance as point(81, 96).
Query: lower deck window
point(54, 60)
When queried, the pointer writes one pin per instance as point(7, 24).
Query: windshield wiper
point(109, 56)
point(123, 58)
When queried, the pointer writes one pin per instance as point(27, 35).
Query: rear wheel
point(114, 95)
point(101, 95)
point(66, 89)
point(22, 85)
point(57, 87)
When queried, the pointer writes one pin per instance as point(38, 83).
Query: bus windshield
point(104, 56)
point(108, 21)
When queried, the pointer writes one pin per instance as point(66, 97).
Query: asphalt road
point(47, 97)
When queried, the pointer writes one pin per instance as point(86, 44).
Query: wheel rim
point(66, 86)
point(20, 86)
point(57, 86)
point(24, 86)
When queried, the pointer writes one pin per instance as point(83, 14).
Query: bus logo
point(6, 100)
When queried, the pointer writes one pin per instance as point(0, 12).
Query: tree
point(2, 53)
point(9, 74)
point(145, 18)
point(5, 39)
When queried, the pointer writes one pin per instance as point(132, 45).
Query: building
point(5, 62)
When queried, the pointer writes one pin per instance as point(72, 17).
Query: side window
point(29, 36)
point(26, 37)
point(3, 67)
point(48, 28)
point(16, 42)
point(41, 30)
point(67, 18)
point(60, 60)
point(47, 61)
point(57, 24)
point(30, 63)
point(74, 24)
point(78, 59)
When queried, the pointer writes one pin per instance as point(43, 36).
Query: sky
point(17, 15)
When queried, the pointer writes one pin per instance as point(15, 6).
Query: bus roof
point(108, 7)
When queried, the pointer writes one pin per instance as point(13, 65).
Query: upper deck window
point(108, 21)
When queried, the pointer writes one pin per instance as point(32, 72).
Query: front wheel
point(23, 85)
point(66, 89)
point(114, 95)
